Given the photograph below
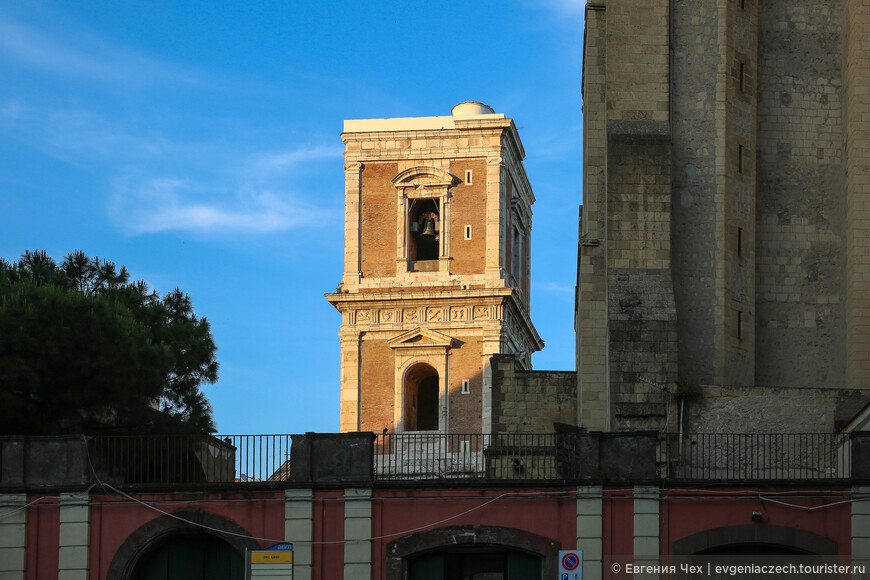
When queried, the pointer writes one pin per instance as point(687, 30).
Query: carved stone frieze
point(459, 314)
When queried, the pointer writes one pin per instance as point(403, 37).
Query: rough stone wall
point(591, 325)
point(736, 231)
point(378, 220)
point(800, 195)
point(772, 409)
point(694, 30)
point(643, 329)
point(531, 401)
point(468, 209)
point(856, 18)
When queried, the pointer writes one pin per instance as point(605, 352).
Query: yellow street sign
point(270, 557)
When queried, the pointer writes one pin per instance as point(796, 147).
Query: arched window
point(421, 398)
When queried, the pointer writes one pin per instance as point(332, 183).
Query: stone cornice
point(410, 296)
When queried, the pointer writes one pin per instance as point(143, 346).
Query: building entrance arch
point(754, 539)
point(421, 387)
point(169, 548)
point(460, 551)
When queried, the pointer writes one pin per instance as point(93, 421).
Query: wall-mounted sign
point(273, 563)
point(570, 565)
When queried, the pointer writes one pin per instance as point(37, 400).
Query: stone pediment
point(424, 177)
point(421, 338)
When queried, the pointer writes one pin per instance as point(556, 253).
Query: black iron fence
point(755, 456)
point(245, 459)
point(190, 459)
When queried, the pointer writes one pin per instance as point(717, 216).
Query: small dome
point(469, 108)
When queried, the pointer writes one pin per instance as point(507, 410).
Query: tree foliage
point(84, 349)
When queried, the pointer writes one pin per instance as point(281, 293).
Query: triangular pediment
point(421, 338)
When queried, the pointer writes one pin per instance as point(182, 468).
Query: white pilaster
point(13, 535)
point(357, 534)
point(646, 522)
point(74, 544)
point(589, 529)
point(298, 529)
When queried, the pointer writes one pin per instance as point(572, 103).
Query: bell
point(428, 232)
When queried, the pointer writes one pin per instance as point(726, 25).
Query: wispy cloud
point(162, 205)
point(234, 200)
point(290, 158)
point(162, 184)
point(83, 55)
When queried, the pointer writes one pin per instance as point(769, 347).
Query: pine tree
point(83, 349)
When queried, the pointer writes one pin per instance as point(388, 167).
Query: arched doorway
point(757, 540)
point(473, 552)
point(171, 545)
point(421, 398)
point(190, 557)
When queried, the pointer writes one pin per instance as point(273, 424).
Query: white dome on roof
point(470, 108)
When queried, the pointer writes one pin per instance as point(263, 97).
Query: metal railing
point(506, 456)
point(755, 456)
point(246, 459)
point(147, 459)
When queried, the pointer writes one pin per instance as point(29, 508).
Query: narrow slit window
point(465, 388)
point(742, 4)
point(469, 177)
point(467, 232)
point(742, 74)
point(739, 325)
point(739, 241)
point(740, 159)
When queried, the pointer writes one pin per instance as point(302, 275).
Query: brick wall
point(378, 220)
point(469, 209)
point(465, 364)
point(378, 376)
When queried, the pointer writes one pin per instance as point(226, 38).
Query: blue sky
point(198, 144)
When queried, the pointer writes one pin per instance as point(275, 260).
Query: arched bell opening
point(424, 224)
point(421, 398)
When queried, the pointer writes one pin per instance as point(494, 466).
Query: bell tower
point(438, 223)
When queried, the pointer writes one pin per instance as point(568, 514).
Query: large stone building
point(436, 269)
point(724, 231)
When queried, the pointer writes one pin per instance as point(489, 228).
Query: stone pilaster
point(861, 523)
point(74, 541)
point(357, 534)
point(589, 530)
point(298, 529)
point(646, 522)
point(352, 200)
point(13, 536)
